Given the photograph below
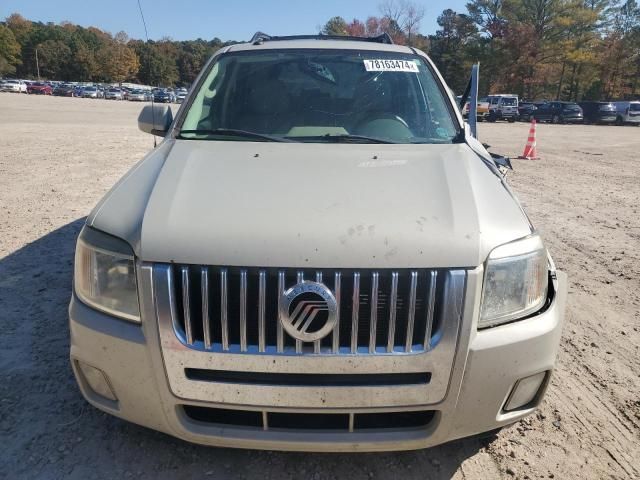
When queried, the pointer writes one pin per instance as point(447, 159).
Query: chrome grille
point(235, 310)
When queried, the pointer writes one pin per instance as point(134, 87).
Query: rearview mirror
point(155, 119)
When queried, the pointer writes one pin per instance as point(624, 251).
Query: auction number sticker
point(389, 65)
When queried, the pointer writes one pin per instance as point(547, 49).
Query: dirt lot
point(59, 155)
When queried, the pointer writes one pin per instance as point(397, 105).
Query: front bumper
point(487, 365)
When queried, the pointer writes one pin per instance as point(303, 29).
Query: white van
point(503, 107)
point(628, 112)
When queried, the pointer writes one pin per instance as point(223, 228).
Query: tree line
point(553, 49)
point(70, 52)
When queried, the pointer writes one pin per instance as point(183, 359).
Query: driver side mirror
point(155, 119)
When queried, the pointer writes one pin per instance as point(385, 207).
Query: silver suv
point(318, 256)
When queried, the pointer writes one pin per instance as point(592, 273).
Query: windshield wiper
point(345, 138)
point(231, 132)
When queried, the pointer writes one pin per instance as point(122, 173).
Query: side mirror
point(155, 119)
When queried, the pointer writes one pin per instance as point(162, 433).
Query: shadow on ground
point(48, 431)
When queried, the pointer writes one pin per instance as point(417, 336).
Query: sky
point(228, 20)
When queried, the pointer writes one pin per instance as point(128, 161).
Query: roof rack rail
point(260, 37)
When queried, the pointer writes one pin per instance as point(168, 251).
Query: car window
point(634, 107)
point(309, 95)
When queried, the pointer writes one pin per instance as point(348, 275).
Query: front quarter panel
point(121, 210)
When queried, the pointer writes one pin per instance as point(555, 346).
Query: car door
point(541, 114)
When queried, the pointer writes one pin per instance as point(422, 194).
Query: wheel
point(492, 118)
point(619, 121)
point(511, 120)
point(555, 119)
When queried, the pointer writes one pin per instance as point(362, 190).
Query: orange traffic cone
point(530, 152)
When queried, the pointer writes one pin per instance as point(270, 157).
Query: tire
point(511, 120)
point(619, 121)
point(555, 119)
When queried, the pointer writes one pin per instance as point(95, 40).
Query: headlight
point(105, 276)
point(515, 282)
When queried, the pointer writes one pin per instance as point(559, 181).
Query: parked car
point(91, 92)
point(181, 94)
point(482, 109)
point(503, 107)
point(164, 96)
point(64, 90)
point(599, 112)
point(558, 112)
point(17, 86)
point(40, 88)
point(628, 112)
point(113, 94)
point(386, 279)
point(139, 96)
point(526, 109)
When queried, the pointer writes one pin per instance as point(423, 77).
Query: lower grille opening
point(223, 416)
point(393, 420)
point(310, 421)
point(308, 379)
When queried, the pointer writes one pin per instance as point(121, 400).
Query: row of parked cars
point(161, 95)
point(619, 112)
point(509, 107)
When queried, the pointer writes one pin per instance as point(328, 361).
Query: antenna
point(146, 35)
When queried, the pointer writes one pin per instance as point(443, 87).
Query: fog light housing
point(525, 391)
point(97, 380)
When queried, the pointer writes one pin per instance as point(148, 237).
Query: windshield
point(572, 107)
point(319, 95)
point(634, 107)
point(509, 101)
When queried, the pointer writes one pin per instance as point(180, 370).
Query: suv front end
point(314, 290)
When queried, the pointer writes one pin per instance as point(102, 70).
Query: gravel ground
point(58, 156)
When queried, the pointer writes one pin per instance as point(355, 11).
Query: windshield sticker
point(386, 65)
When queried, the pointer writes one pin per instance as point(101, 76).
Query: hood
point(322, 205)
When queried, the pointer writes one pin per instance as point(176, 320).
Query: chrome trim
point(393, 312)
point(355, 309)
point(281, 288)
point(243, 310)
point(433, 278)
point(224, 309)
point(185, 305)
point(411, 316)
point(336, 330)
point(317, 344)
point(394, 300)
point(262, 286)
point(206, 324)
point(374, 312)
point(299, 279)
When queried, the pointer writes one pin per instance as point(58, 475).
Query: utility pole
point(37, 65)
